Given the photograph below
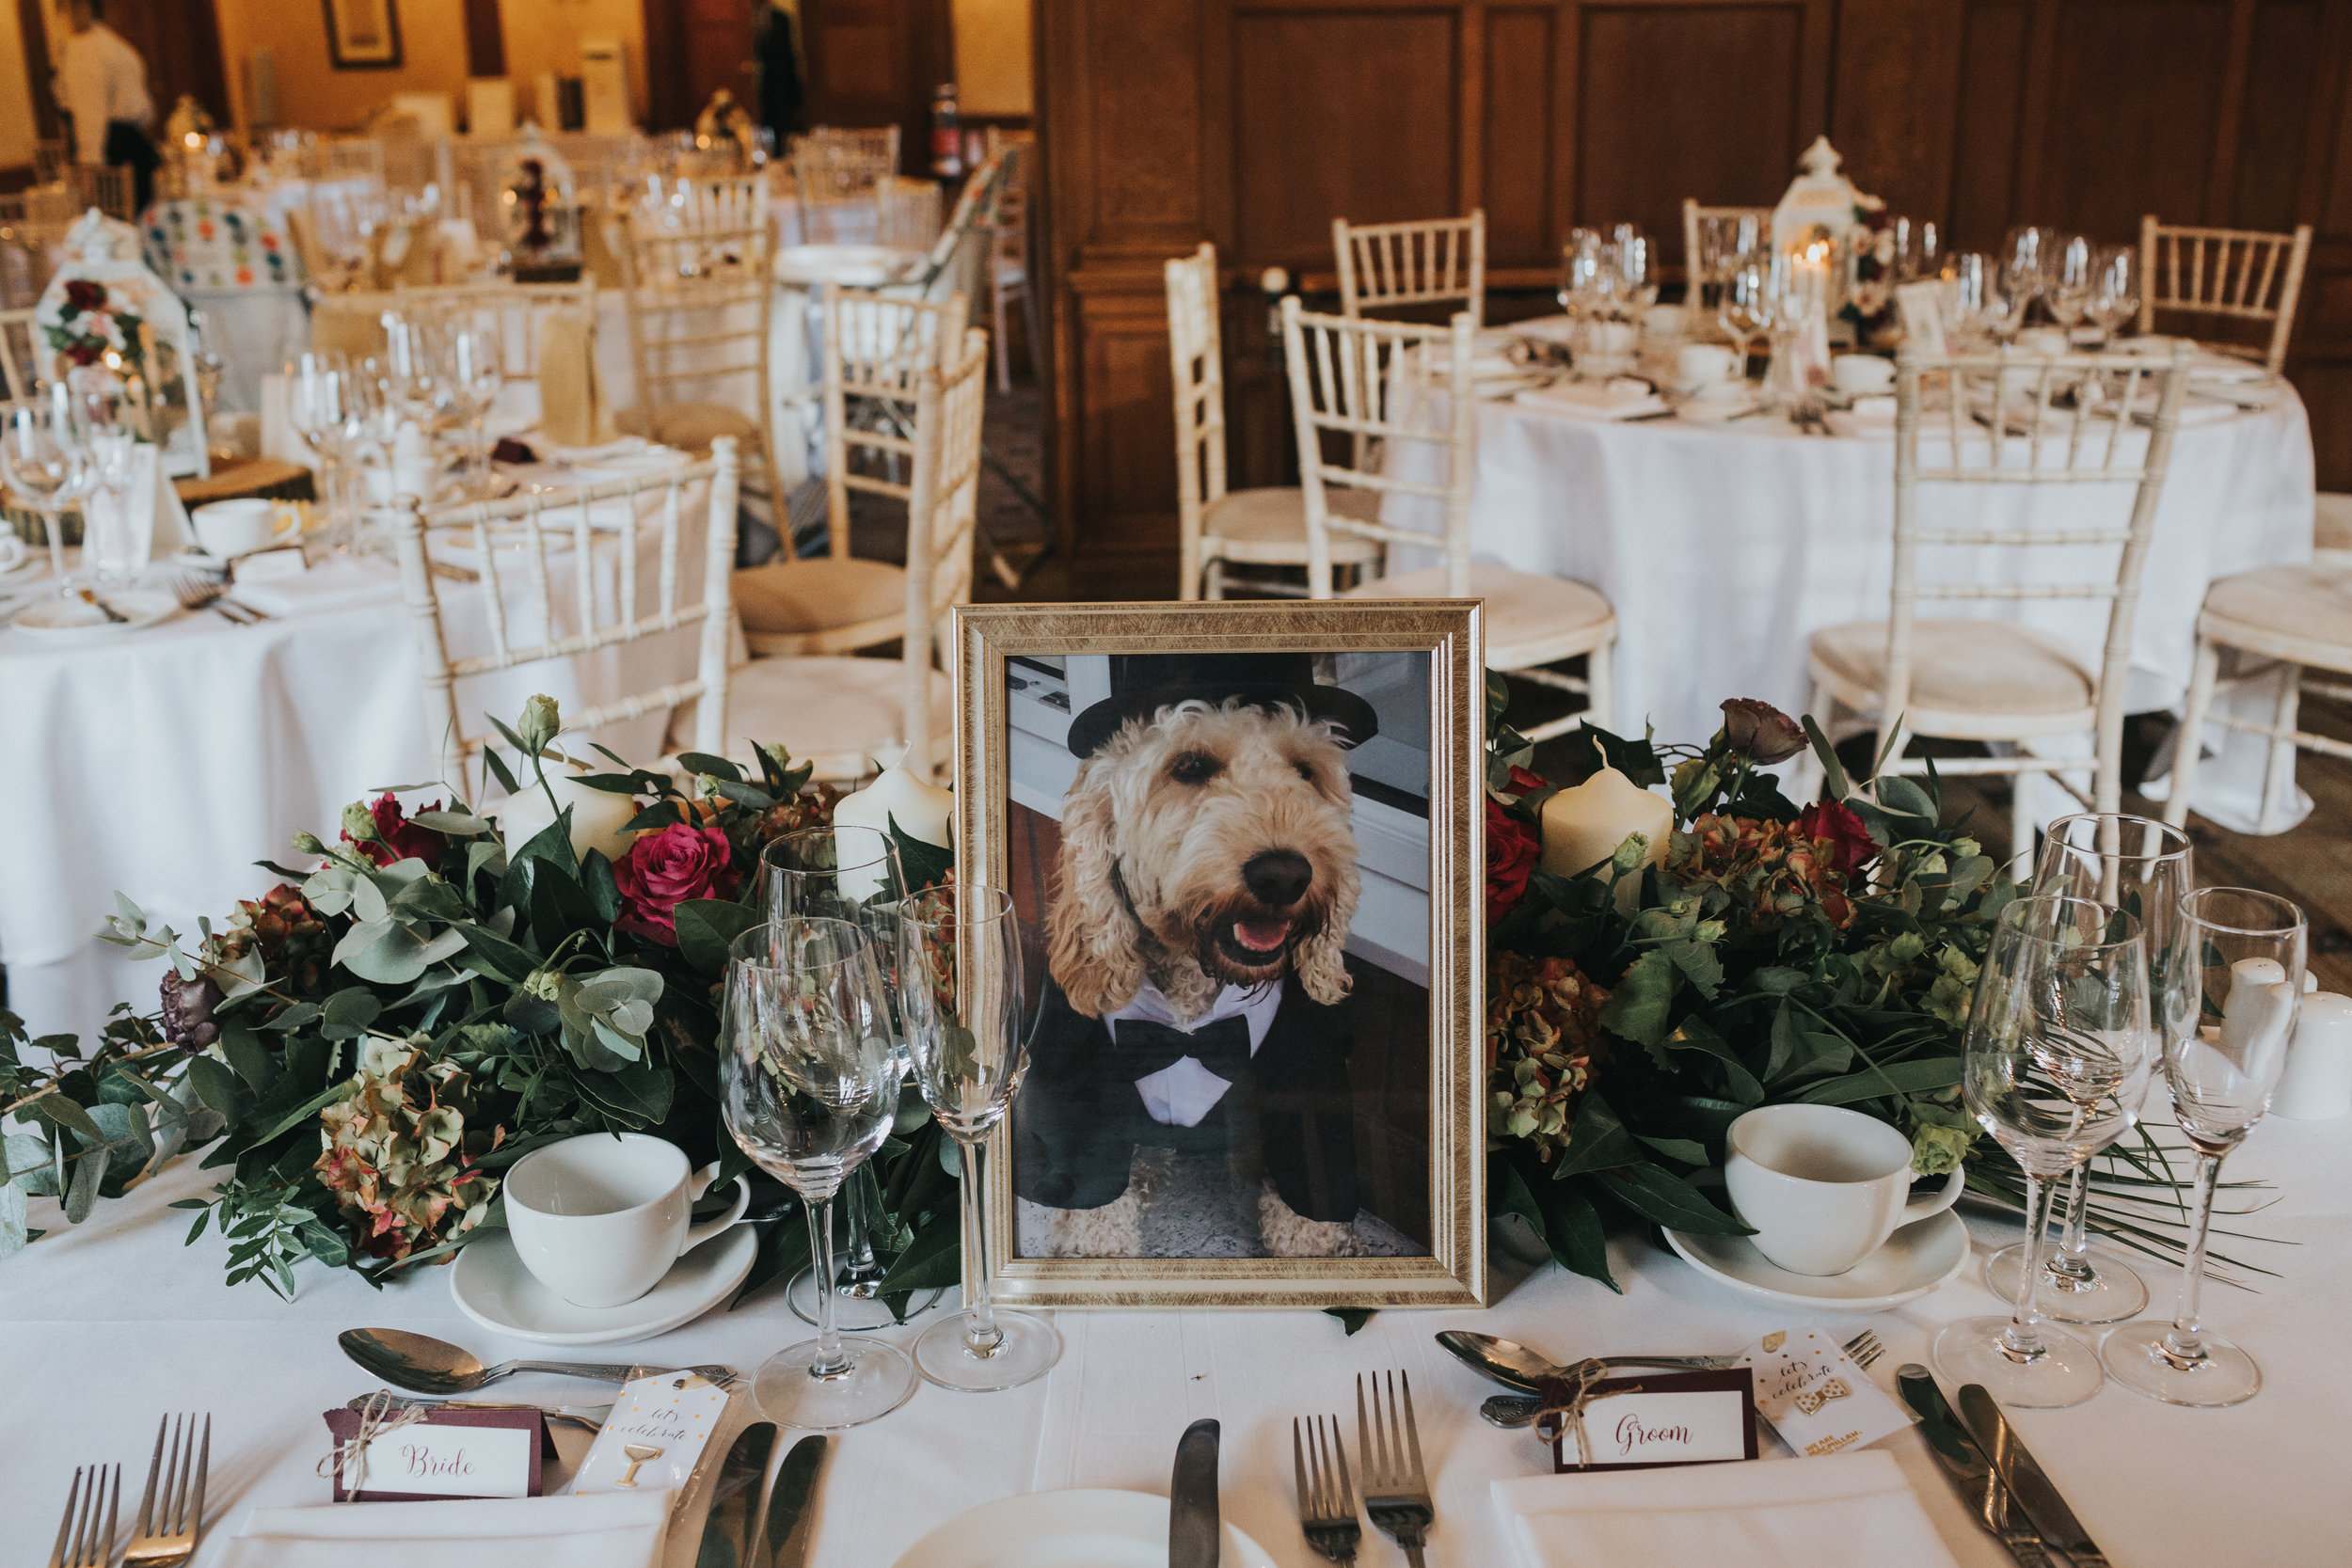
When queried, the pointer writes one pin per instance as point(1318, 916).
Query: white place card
point(1814, 1396)
point(1645, 1419)
point(397, 1456)
point(655, 1437)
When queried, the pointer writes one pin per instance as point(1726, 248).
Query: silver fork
point(172, 1520)
point(1326, 1502)
point(1396, 1487)
point(1517, 1410)
point(82, 1541)
point(195, 594)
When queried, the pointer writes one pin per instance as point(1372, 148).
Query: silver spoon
point(430, 1366)
point(1514, 1366)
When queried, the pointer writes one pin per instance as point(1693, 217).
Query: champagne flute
point(42, 457)
point(2115, 289)
point(2224, 1047)
point(2141, 868)
point(319, 407)
point(2067, 294)
point(473, 371)
point(838, 873)
point(960, 986)
point(808, 1079)
point(1751, 304)
point(2059, 1051)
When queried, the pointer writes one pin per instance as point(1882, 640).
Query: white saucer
point(491, 1286)
point(1915, 1259)
point(1066, 1530)
point(78, 618)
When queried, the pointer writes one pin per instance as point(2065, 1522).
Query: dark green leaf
point(1573, 1230)
point(89, 1172)
point(309, 1109)
point(707, 765)
point(1739, 1084)
point(497, 957)
point(501, 772)
point(707, 926)
point(934, 1261)
point(1939, 1072)
point(926, 865)
point(250, 1056)
point(1684, 1149)
point(348, 1013)
point(1351, 1318)
point(1833, 771)
point(1899, 794)
point(1638, 1008)
point(1657, 1194)
point(603, 895)
point(1597, 1139)
point(58, 1109)
point(215, 1085)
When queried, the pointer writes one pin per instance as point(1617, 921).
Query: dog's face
point(1211, 846)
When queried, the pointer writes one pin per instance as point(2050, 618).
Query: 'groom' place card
point(448, 1453)
point(1646, 1419)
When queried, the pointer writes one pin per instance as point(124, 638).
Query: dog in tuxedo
point(1207, 877)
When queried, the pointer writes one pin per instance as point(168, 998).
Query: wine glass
point(2067, 294)
point(1918, 249)
point(1723, 239)
point(2115, 289)
point(1636, 281)
point(42, 457)
point(1752, 302)
point(2059, 1051)
point(808, 1077)
point(2224, 1048)
point(1983, 308)
point(319, 407)
point(837, 873)
point(1580, 270)
point(2142, 868)
point(960, 988)
point(473, 371)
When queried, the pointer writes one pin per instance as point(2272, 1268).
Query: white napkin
point(1870, 417)
point(611, 1529)
point(1839, 1510)
point(333, 586)
point(1622, 399)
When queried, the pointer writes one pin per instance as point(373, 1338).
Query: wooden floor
point(2312, 864)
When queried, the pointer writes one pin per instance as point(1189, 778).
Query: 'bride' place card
point(1646, 1419)
point(440, 1454)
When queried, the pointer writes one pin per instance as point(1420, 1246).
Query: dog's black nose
point(1277, 877)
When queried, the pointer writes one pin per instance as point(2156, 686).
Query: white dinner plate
point(491, 1286)
point(1065, 1530)
point(1915, 1259)
point(79, 617)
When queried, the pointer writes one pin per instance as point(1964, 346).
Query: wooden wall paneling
point(1996, 41)
point(2132, 122)
point(1519, 109)
point(1125, 445)
point(33, 28)
point(2276, 150)
point(1897, 82)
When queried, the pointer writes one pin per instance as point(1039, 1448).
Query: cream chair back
point(1385, 266)
point(942, 517)
point(511, 539)
point(515, 312)
point(2122, 435)
point(1196, 357)
point(2229, 273)
point(20, 353)
point(877, 349)
point(1371, 383)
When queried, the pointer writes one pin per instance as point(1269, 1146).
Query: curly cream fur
point(1151, 875)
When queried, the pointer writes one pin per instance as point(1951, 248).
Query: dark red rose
point(396, 837)
point(1511, 851)
point(86, 354)
point(82, 295)
point(1761, 731)
point(1524, 782)
point(1850, 842)
point(663, 870)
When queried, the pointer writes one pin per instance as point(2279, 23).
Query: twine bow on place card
point(1566, 1400)
point(1811, 1400)
point(379, 1418)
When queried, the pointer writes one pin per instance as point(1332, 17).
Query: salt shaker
point(2318, 1083)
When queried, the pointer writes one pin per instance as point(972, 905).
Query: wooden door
point(180, 40)
point(718, 39)
point(875, 62)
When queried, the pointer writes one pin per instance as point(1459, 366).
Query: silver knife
point(788, 1530)
point(1958, 1453)
point(1192, 1522)
point(732, 1528)
point(2024, 1477)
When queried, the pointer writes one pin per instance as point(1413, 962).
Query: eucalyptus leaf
point(89, 1173)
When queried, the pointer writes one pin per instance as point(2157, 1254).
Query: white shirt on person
point(1184, 1093)
point(102, 80)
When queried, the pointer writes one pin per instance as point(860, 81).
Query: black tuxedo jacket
point(1080, 1117)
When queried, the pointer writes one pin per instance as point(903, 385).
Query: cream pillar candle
point(921, 811)
point(1583, 826)
point(598, 817)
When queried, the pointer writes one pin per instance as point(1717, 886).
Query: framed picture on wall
point(363, 35)
point(1244, 841)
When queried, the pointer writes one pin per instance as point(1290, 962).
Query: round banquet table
point(1724, 545)
point(113, 1321)
point(164, 762)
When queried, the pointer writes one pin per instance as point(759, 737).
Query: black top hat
point(1142, 684)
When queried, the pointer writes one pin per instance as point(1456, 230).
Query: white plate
point(491, 1286)
point(77, 618)
point(1915, 1259)
point(1065, 1530)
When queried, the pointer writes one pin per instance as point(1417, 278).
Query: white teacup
point(1821, 1187)
point(12, 550)
point(240, 526)
point(1860, 375)
point(1705, 368)
point(598, 1219)
point(1664, 321)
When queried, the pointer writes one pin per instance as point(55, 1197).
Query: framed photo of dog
point(1244, 840)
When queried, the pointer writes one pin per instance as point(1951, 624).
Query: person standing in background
point(103, 83)
point(776, 49)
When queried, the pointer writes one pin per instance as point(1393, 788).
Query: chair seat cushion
point(1986, 680)
point(1531, 618)
point(2302, 614)
point(689, 426)
point(801, 598)
point(1268, 526)
point(841, 714)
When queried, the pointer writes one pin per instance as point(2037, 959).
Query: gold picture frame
point(987, 642)
point(363, 35)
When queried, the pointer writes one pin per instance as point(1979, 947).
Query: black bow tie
point(1144, 1046)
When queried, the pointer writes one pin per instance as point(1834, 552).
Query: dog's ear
point(1319, 961)
point(1093, 941)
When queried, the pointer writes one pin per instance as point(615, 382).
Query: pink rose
point(666, 868)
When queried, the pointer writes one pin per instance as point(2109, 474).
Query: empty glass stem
point(832, 1360)
point(2071, 1263)
point(2022, 1339)
point(2184, 1347)
point(861, 1205)
point(980, 1333)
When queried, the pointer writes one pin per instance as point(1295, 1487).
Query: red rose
point(1524, 782)
point(1511, 851)
point(1850, 842)
point(396, 837)
point(663, 870)
point(82, 295)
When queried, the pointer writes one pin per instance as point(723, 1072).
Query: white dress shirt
point(1180, 1094)
point(102, 80)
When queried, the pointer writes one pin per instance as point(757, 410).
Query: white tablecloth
point(162, 763)
point(1724, 545)
point(112, 1323)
